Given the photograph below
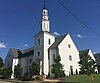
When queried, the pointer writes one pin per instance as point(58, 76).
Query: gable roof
point(84, 52)
point(14, 52)
point(57, 41)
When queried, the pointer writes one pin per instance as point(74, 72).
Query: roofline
point(60, 42)
point(44, 32)
point(84, 50)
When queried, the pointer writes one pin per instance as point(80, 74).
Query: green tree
point(1, 63)
point(1, 66)
point(7, 72)
point(88, 65)
point(17, 71)
point(4, 72)
point(57, 68)
point(36, 67)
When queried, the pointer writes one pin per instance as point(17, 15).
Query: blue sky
point(19, 22)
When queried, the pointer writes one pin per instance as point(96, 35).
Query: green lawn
point(82, 79)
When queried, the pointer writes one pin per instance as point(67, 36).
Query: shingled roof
point(29, 49)
point(27, 52)
point(41, 32)
point(83, 53)
point(57, 41)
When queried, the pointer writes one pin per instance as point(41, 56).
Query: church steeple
point(45, 19)
point(44, 7)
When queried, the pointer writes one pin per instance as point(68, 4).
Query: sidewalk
point(34, 81)
point(18, 81)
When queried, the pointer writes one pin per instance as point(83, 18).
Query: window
point(38, 53)
point(30, 60)
point(70, 57)
point(33, 52)
point(44, 25)
point(44, 12)
point(54, 57)
point(38, 41)
point(49, 41)
point(69, 45)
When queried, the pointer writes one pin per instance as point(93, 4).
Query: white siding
point(15, 62)
point(65, 51)
point(46, 46)
point(92, 56)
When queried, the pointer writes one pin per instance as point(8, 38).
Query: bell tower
point(45, 23)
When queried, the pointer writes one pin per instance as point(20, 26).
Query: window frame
point(70, 57)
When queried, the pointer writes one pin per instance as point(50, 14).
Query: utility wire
point(83, 23)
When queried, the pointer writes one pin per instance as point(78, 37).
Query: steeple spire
point(45, 26)
point(44, 7)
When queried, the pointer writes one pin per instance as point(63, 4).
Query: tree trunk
point(92, 78)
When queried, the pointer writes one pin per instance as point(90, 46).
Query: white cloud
point(25, 45)
point(94, 52)
point(56, 33)
point(2, 45)
point(79, 36)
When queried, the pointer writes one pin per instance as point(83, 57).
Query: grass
point(82, 79)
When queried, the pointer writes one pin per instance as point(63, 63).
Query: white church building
point(46, 48)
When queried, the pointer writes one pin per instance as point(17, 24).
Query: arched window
point(44, 12)
point(69, 45)
point(38, 53)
